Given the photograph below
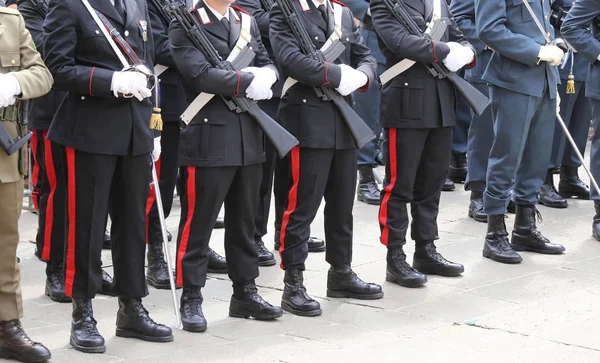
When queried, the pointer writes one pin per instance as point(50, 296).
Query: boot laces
point(372, 187)
point(399, 259)
point(58, 276)
point(194, 303)
point(141, 310)
point(434, 254)
point(24, 336)
point(260, 245)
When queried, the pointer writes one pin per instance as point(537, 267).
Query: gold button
point(546, 17)
point(548, 34)
point(13, 62)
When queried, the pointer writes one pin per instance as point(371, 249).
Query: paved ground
point(543, 310)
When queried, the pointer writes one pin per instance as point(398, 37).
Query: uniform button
point(546, 17)
point(347, 39)
point(205, 120)
point(406, 85)
point(82, 98)
point(97, 31)
point(304, 101)
point(317, 38)
point(548, 34)
point(126, 33)
point(13, 62)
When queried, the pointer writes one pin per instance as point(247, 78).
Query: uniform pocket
point(518, 12)
point(9, 60)
point(411, 93)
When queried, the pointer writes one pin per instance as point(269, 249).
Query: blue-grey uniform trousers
point(523, 132)
point(461, 129)
point(595, 152)
point(481, 137)
point(576, 112)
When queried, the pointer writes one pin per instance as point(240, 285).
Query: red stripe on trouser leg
point(383, 209)
point(51, 175)
point(292, 198)
point(185, 234)
point(71, 194)
point(35, 172)
point(151, 198)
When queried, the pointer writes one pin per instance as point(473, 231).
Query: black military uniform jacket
point(91, 118)
point(415, 99)
point(172, 94)
point(316, 123)
point(217, 136)
point(41, 110)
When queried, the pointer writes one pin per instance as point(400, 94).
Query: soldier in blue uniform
point(575, 110)
point(523, 79)
point(584, 14)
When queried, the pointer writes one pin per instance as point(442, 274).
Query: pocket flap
point(10, 60)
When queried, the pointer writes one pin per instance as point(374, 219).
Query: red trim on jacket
point(326, 73)
point(435, 58)
point(91, 83)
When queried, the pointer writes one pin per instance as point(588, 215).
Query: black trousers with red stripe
point(49, 196)
point(417, 167)
point(318, 173)
point(99, 185)
point(206, 189)
point(167, 167)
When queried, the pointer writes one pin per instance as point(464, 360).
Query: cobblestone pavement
point(547, 309)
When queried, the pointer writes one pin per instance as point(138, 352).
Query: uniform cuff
point(332, 76)
point(440, 51)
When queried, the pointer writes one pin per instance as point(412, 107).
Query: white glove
point(9, 88)
point(551, 54)
point(265, 73)
point(351, 80)
point(458, 57)
point(157, 149)
point(259, 89)
point(557, 103)
point(133, 83)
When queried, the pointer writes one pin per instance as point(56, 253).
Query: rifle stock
point(361, 132)
point(9, 144)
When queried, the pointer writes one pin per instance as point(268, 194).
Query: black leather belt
point(114, 33)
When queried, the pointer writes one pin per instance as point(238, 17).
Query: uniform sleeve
point(358, 7)
point(160, 35)
point(254, 7)
point(362, 59)
point(464, 15)
point(262, 56)
point(294, 63)
point(34, 78)
point(399, 41)
point(490, 19)
point(34, 22)
point(60, 44)
point(197, 70)
point(576, 28)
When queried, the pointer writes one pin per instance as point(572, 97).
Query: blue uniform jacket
point(359, 9)
point(580, 67)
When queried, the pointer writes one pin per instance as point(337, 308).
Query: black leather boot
point(342, 282)
point(295, 300)
point(314, 244)
point(220, 223)
point(596, 222)
point(512, 206)
point(265, 257)
point(570, 185)
point(246, 303)
point(157, 272)
point(133, 321)
point(496, 246)
point(448, 186)
point(526, 237)
point(458, 167)
point(106, 241)
point(107, 285)
point(476, 210)
point(429, 261)
point(55, 283)
point(548, 194)
point(84, 334)
point(192, 316)
point(15, 344)
point(217, 264)
point(367, 190)
point(400, 272)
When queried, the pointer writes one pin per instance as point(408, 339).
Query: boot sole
point(317, 249)
point(520, 248)
point(457, 175)
point(510, 261)
point(351, 295)
point(477, 219)
point(371, 202)
point(267, 263)
point(13, 356)
point(554, 205)
point(195, 328)
point(410, 283)
point(83, 349)
point(216, 271)
point(247, 314)
point(124, 333)
point(428, 271)
point(596, 237)
point(294, 311)
point(569, 195)
point(60, 299)
point(160, 286)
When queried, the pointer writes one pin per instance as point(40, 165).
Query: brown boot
point(15, 344)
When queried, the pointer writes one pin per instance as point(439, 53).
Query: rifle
point(41, 6)
point(163, 10)
point(476, 100)
point(282, 140)
point(10, 114)
point(361, 133)
point(267, 4)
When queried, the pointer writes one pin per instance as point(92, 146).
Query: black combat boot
point(496, 246)
point(265, 257)
point(15, 344)
point(106, 241)
point(342, 282)
point(570, 185)
point(526, 237)
point(314, 244)
point(220, 223)
point(548, 194)
point(400, 272)
point(596, 222)
point(217, 264)
point(192, 316)
point(458, 167)
point(367, 190)
point(448, 186)
point(295, 300)
point(512, 206)
point(476, 210)
point(429, 261)
point(84, 334)
point(107, 285)
point(157, 272)
point(55, 283)
point(246, 303)
point(133, 321)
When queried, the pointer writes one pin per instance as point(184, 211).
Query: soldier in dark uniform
point(324, 164)
point(22, 76)
point(585, 14)
point(523, 77)
point(481, 132)
point(576, 112)
point(221, 153)
point(418, 113)
point(108, 142)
